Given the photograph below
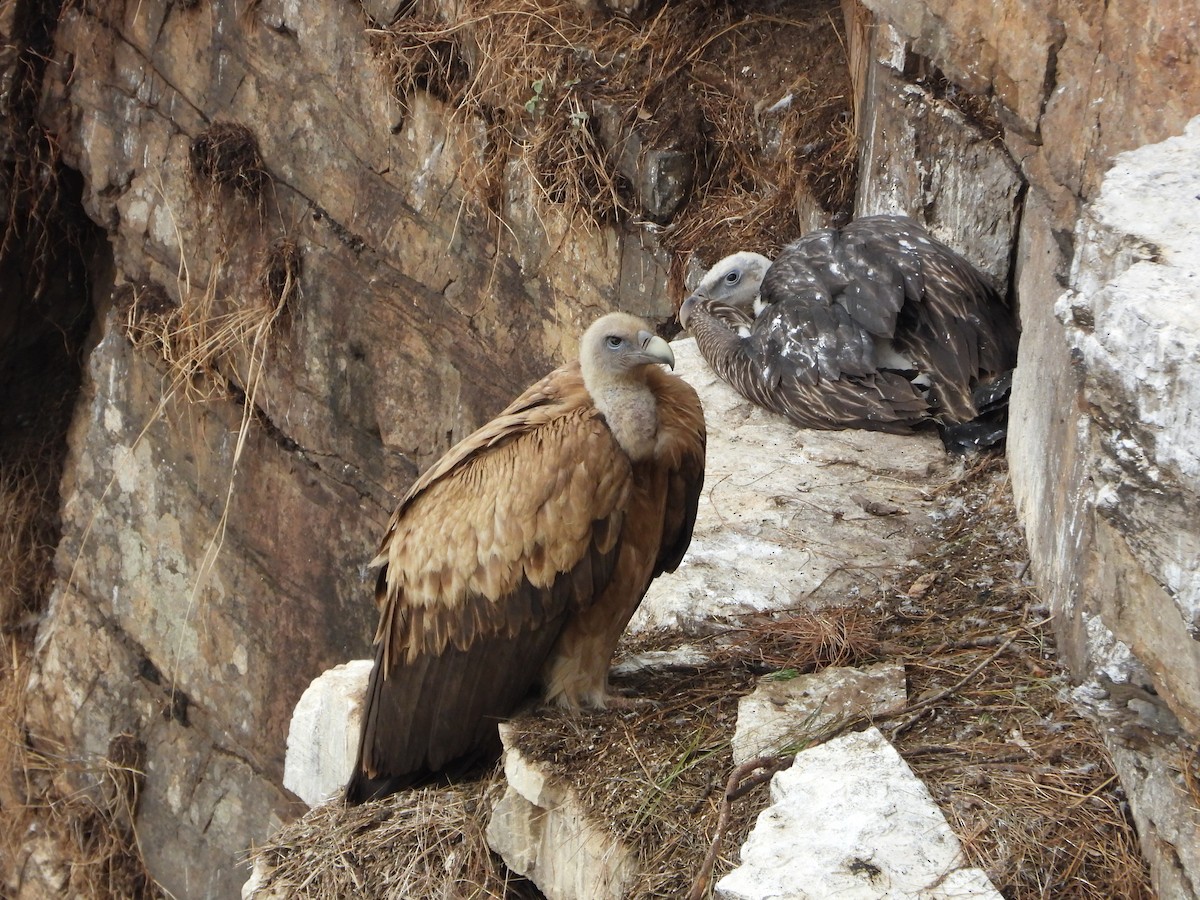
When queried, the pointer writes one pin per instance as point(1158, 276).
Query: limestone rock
point(1130, 319)
point(323, 738)
point(40, 872)
point(778, 523)
point(922, 157)
point(543, 832)
point(782, 716)
point(850, 820)
point(685, 657)
point(1131, 315)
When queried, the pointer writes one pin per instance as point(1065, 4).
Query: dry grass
point(418, 844)
point(213, 345)
point(78, 840)
point(573, 96)
point(226, 155)
point(28, 507)
point(1024, 781)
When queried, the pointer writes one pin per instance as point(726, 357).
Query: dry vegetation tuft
point(426, 843)
point(226, 155)
point(754, 98)
point(279, 275)
point(71, 825)
point(28, 509)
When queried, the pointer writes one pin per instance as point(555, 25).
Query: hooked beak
point(688, 307)
point(656, 349)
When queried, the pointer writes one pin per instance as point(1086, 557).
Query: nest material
point(756, 98)
point(415, 844)
point(279, 275)
point(226, 155)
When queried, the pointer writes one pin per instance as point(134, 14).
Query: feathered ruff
point(519, 557)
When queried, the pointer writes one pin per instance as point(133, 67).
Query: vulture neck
point(630, 408)
point(715, 339)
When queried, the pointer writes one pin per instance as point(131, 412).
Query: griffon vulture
point(518, 558)
point(876, 325)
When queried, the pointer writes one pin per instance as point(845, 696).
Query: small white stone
point(323, 737)
point(783, 716)
point(850, 820)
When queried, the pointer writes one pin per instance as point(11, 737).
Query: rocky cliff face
point(320, 272)
point(304, 313)
point(302, 303)
point(1100, 424)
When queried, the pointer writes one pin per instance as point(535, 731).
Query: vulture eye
point(733, 277)
point(614, 342)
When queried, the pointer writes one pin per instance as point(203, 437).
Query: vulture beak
point(685, 311)
point(655, 349)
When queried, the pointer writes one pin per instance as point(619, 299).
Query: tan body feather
point(518, 559)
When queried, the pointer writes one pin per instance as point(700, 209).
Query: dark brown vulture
point(518, 558)
point(876, 325)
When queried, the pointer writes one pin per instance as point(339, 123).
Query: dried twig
point(742, 780)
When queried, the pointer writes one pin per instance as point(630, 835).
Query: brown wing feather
point(658, 528)
point(483, 562)
point(681, 453)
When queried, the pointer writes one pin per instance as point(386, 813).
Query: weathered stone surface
point(542, 831)
point(323, 737)
point(920, 156)
point(1131, 547)
point(206, 579)
point(786, 715)
point(779, 524)
point(39, 872)
point(849, 819)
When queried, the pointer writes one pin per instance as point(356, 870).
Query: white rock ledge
point(850, 820)
point(323, 735)
point(782, 716)
point(781, 516)
point(541, 830)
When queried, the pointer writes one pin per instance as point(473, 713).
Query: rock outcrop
point(849, 819)
point(1131, 320)
point(289, 326)
point(1098, 401)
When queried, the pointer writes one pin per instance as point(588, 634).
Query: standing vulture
point(519, 557)
point(876, 325)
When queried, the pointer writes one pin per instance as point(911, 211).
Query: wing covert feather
point(518, 508)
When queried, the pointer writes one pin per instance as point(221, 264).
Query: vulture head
point(613, 357)
point(732, 284)
point(617, 344)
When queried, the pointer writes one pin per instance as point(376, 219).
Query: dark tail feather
point(360, 788)
point(475, 765)
point(990, 427)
